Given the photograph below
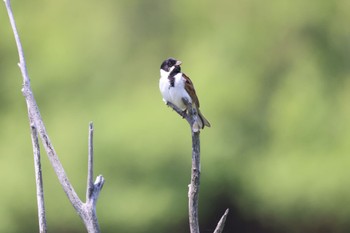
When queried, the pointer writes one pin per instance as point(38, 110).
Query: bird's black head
point(169, 63)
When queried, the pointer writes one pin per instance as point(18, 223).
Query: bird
point(175, 86)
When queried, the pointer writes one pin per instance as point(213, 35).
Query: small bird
point(175, 85)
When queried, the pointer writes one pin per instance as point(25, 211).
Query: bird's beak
point(178, 63)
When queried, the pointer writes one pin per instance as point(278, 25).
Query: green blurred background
point(273, 78)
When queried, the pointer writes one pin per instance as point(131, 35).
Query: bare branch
point(22, 62)
point(39, 181)
point(193, 188)
point(191, 116)
point(187, 114)
point(93, 189)
point(87, 211)
point(220, 227)
point(34, 114)
point(90, 182)
point(177, 110)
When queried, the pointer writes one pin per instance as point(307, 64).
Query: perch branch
point(86, 211)
point(177, 110)
point(183, 114)
point(191, 116)
point(193, 188)
point(38, 181)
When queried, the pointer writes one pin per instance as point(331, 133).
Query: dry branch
point(86, 211)
point(38, 181)
point(193, 188)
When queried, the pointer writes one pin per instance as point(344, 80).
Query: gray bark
point(87, 210)
point(193, 188)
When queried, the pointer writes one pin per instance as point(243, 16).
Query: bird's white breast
point(176, 93)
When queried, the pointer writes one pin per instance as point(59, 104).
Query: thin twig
point(90, 182)
point(22, 62)
point(92, 189)
point(39, 181)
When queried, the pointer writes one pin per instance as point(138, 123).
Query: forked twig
point(86, 211)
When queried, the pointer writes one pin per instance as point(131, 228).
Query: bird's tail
point(205, 122)
point(201, 121)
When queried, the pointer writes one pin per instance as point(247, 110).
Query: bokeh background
point(273, 78)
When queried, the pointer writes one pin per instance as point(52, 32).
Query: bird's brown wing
point(190, 90)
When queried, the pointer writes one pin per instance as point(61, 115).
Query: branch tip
point(99, 181)
point(220, 227)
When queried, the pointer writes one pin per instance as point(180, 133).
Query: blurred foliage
point(273, 78)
